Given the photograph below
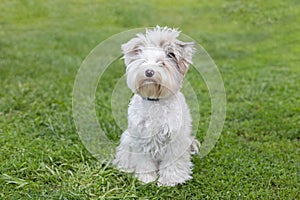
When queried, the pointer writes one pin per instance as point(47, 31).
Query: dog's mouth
point(148, 81)
point(148, 88)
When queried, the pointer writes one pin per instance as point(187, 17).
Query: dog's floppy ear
point(131, 49)
point(186, 51)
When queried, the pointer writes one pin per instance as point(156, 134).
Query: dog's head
point(156, 62)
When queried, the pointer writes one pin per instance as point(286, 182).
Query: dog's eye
point(161, 63)
point(171, 55)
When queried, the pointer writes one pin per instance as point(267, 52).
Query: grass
point(255, 45)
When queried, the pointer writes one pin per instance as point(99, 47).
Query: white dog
point(158, 143)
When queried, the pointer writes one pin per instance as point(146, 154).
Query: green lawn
point(254, 43)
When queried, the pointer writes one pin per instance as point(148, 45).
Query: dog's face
point(156, 62)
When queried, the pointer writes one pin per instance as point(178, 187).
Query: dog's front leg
point(146, 168)
point(175, 169)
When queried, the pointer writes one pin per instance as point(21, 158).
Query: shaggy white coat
point(158, 143)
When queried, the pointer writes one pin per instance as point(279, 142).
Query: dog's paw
point(146, 177)
point(166, 183)
point(195, 146)
point(172, 181)
point(176, 173)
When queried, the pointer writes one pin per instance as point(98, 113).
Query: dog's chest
point(154, 125)
point(155, 119)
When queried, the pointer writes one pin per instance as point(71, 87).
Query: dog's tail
point(195, 146)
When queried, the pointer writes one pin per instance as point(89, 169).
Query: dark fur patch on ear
point(185, 50)
point(183, 67)
point(132, 46)
point(131, 49)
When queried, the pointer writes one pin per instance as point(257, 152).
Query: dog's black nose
point(149, 72)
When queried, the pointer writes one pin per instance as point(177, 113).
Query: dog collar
point(151, 99)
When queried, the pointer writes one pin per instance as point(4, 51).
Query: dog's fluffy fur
point(158, 143)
